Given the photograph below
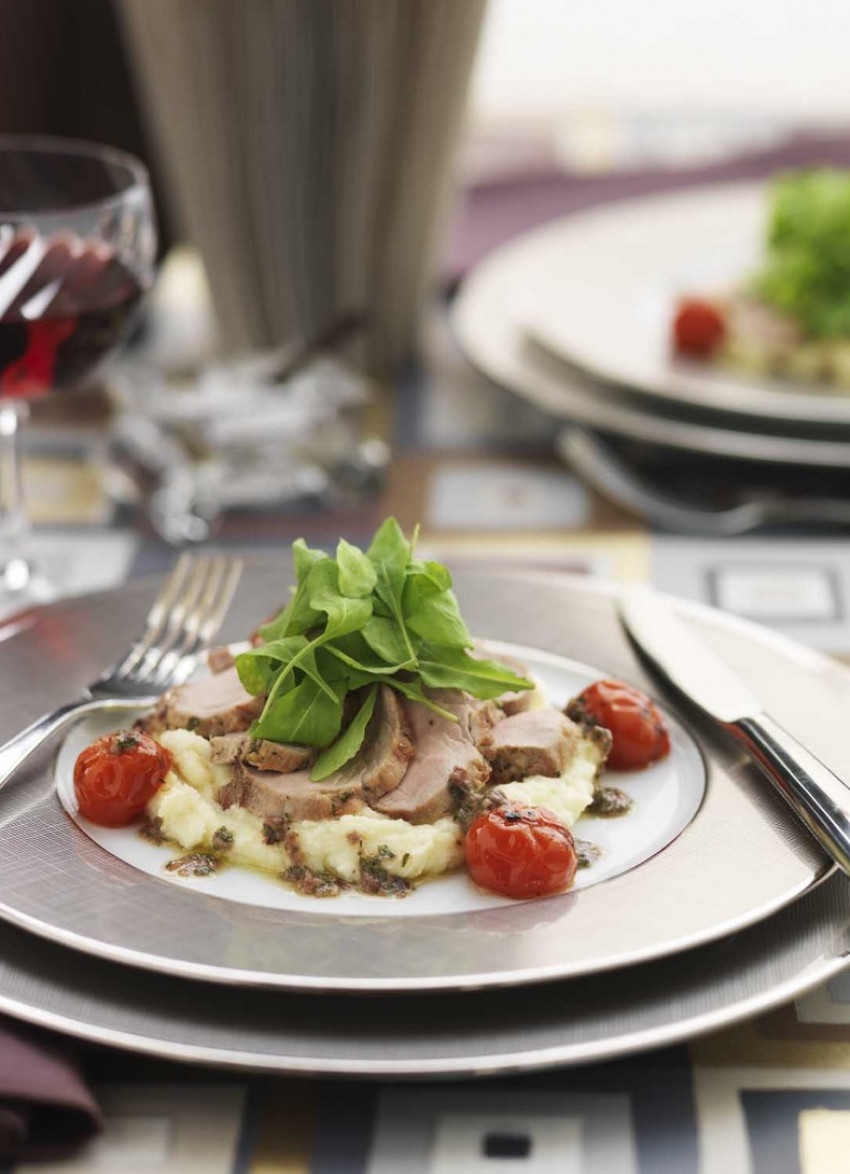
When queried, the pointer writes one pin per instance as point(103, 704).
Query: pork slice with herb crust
point(515, 701)
point(534, 742)
point(446, 765)
point(220, 659)
point(377, 767)
point(260, 753)
point(382, 760)
point(290, 797)
point(211, 707)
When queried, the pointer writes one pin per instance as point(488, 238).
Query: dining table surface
point(476, 468)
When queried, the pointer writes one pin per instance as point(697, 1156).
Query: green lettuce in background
point(806, 273)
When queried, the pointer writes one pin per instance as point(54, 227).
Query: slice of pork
point(382, 760)
point(219, 659)
point(535, 742)
point(446, 765)
point(260, 753)
point(375, 769)
point(516, 700)
point(289, 797)
point(216, 705)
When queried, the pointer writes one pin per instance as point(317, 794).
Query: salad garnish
point(355, 621)
point(806, 273)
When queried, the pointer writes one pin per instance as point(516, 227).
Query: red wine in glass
point(65, 303)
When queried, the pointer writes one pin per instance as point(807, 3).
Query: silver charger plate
point(742, 857)
point(415, 1036)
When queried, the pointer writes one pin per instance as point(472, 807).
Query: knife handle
point(817, 796)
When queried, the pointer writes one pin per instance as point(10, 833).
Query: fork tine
point(201, 623)
point(185, 636)
point(174, 619)
point(154, 623)
point(215, 619)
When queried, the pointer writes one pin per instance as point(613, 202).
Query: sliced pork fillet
point(211, 707)
point(383, 759)
point(534, 742)
point(446, 767)
point(219, 659)
point(473, 716)
point(289, 797)
point(376, 768)
point(260, 753)
point(517, 700)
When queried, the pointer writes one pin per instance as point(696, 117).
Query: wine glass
point(77, 250)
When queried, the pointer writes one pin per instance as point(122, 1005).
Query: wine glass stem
point(15, 571)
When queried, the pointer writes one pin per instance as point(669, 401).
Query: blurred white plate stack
point(575, 317)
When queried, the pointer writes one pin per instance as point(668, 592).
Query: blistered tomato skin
point(520, 852)
point(117, 776)
point(639, 731)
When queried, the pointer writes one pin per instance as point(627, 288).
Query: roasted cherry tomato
point(117, 775)
point(699, 328)
point(520, 851)
point(639, 731)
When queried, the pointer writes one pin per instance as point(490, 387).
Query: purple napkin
point(494, 210)
point(46, 1109)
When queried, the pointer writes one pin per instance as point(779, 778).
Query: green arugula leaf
point(412, 689)
point(306, 715)
point(355, 621)
point(297, 617)
point(337, 672)
point(255, 673)
point(344, 615)
point(390, 554)
point(452, 668)
point(257, 666)
point(384, 639)
point(437, 619)
point(305, 558)
point(348, 743)
point(366, 665)
point(422, 580)
point(357, 575)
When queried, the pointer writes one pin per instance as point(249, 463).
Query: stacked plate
point(708, 903)
point(575, 317)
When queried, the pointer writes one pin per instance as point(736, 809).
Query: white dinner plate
point(739, 859)
point(665, 798)
point(599, 290)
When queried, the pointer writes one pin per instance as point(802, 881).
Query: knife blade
point(817, 796)
point(691, 666)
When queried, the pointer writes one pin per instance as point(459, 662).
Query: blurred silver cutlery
point(603, 470)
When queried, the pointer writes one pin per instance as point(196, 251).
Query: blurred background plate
point(487, 317)
point(599, 290)
point(678, 466)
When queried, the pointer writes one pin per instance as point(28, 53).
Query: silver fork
point(185, 617)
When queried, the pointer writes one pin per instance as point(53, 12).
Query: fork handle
point(17, 750)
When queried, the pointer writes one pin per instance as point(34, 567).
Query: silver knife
point(816, 795)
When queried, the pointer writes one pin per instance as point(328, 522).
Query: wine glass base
point(23, 585)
